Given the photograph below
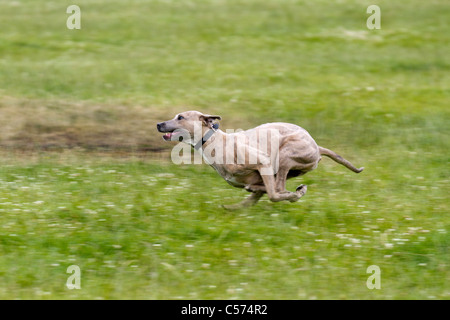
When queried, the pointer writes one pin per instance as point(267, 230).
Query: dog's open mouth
point(171, 136)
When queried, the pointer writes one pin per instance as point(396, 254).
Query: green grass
point(139, 229)
point(148, 229)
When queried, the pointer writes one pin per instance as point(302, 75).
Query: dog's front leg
point(255, 187)
point(249, 201)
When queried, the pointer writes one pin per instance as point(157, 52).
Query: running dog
point(259, 159)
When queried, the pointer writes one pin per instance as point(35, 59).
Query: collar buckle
point(208, 135)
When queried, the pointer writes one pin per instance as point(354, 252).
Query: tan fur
point(297, 154)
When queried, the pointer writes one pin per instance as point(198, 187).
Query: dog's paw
point(301, 189)
point(231, 207)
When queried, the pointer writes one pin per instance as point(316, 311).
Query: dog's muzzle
point(160, 126)
point(170, 135)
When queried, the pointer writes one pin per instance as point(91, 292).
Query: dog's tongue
point(167, 136)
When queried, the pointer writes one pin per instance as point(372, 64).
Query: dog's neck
point(206, 136)
point(209, 147)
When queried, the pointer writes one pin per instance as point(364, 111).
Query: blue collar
point(208, 135)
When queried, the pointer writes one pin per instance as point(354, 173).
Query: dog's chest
point(233, 178)
point(234, 182)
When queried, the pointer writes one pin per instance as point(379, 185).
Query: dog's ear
point(208, 120)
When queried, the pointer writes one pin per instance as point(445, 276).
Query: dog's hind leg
point(276, 195)
point(249, 201)
point(280, 181)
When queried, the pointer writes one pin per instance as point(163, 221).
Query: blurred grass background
point(79, 182)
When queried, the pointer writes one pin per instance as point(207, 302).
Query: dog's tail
point(339, 159)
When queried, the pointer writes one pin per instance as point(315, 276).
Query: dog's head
point(183, 126)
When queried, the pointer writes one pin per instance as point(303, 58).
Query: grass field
point(86, 180)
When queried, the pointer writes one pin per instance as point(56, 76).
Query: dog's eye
point(180, 118)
